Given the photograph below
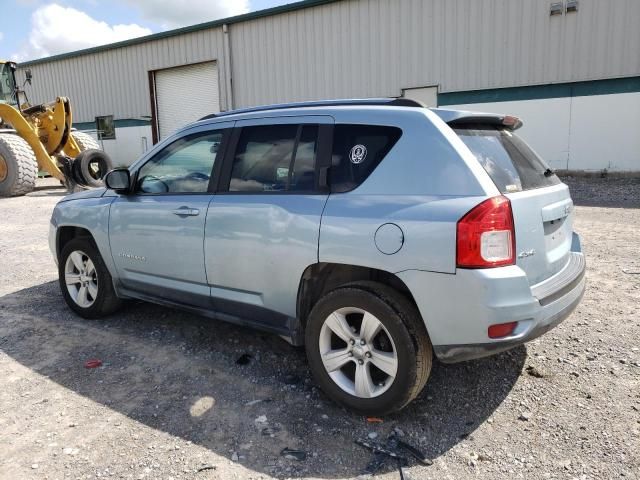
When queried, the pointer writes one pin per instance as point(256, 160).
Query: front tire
point(18, 166)
point(85, 281)
point(368, 348)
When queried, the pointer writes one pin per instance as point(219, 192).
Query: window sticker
point(357, 154)
point(282, 172)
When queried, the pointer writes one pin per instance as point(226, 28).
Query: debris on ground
point(534, 372)
point(630, 272)
point(244, 359)
point(525, 416)
point(374, 420)
point(93, 363)
point(270, 431)
point(394, 449)
point(206, 467)
point(292, 380)
point(255, 402)
point(291, 454)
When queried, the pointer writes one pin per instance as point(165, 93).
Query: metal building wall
point(116, 81)
point(366, 48)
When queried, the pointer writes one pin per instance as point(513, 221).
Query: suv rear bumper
point(552, 315)
point(458, 309)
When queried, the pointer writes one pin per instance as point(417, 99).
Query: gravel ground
point(172, 401)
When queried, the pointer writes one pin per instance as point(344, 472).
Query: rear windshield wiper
point(548, 172)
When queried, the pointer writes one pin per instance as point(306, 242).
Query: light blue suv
point(377, 233)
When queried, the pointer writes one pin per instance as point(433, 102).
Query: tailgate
point(544, 228)
point(541, 203)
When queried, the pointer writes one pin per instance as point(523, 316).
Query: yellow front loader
point(40, 138)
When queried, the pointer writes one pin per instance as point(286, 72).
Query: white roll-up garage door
point(185, 94)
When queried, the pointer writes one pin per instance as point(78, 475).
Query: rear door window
point(357, 151)
point(510, 162)
point(275, 158)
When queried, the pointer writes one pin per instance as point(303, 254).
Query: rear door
point(541, 203)
point(263, 225)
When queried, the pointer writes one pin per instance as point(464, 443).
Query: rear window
point(508, 160)
point(357, 151)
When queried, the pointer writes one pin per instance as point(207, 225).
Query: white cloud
point(1, 36)
point(57, 29)
point(179, 13)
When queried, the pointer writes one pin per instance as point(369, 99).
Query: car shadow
point(210, 382)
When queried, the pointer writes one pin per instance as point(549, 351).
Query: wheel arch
point(66, 233)
point(320, 278)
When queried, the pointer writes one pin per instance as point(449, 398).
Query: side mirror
point(28, 76)
point(118, 180)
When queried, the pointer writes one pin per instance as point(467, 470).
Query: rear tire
point(18, 166)
point(85, 141)
point(402, 339)
point(85, 281)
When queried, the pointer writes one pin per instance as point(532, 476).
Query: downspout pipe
point(226, 42)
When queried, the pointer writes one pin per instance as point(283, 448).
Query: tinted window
point(185, 166)
point(357, 151)
point(508, 160)
point(272, 158)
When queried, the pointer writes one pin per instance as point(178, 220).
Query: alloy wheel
point(81, 278)
point(358, 352)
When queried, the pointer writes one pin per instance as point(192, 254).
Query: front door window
point(185, 166)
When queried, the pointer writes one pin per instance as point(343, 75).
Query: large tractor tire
point(85, 141)
point(18, 166)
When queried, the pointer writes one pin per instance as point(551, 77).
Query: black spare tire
point(91, 166)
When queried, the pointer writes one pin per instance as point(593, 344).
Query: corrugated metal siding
point(366, 48)
point(116, 81)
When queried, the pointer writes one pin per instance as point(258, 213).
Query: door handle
point(186, 212)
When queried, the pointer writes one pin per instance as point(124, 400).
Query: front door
point(157, 232)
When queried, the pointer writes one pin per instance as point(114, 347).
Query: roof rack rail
point(389, 102)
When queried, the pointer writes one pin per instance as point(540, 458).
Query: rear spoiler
point(456, 118)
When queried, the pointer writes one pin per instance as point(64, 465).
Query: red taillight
point(502, 329)
point(486, 235)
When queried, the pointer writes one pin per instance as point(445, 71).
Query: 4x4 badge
point(358, 154)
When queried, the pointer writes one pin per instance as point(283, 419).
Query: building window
point(106, 128)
